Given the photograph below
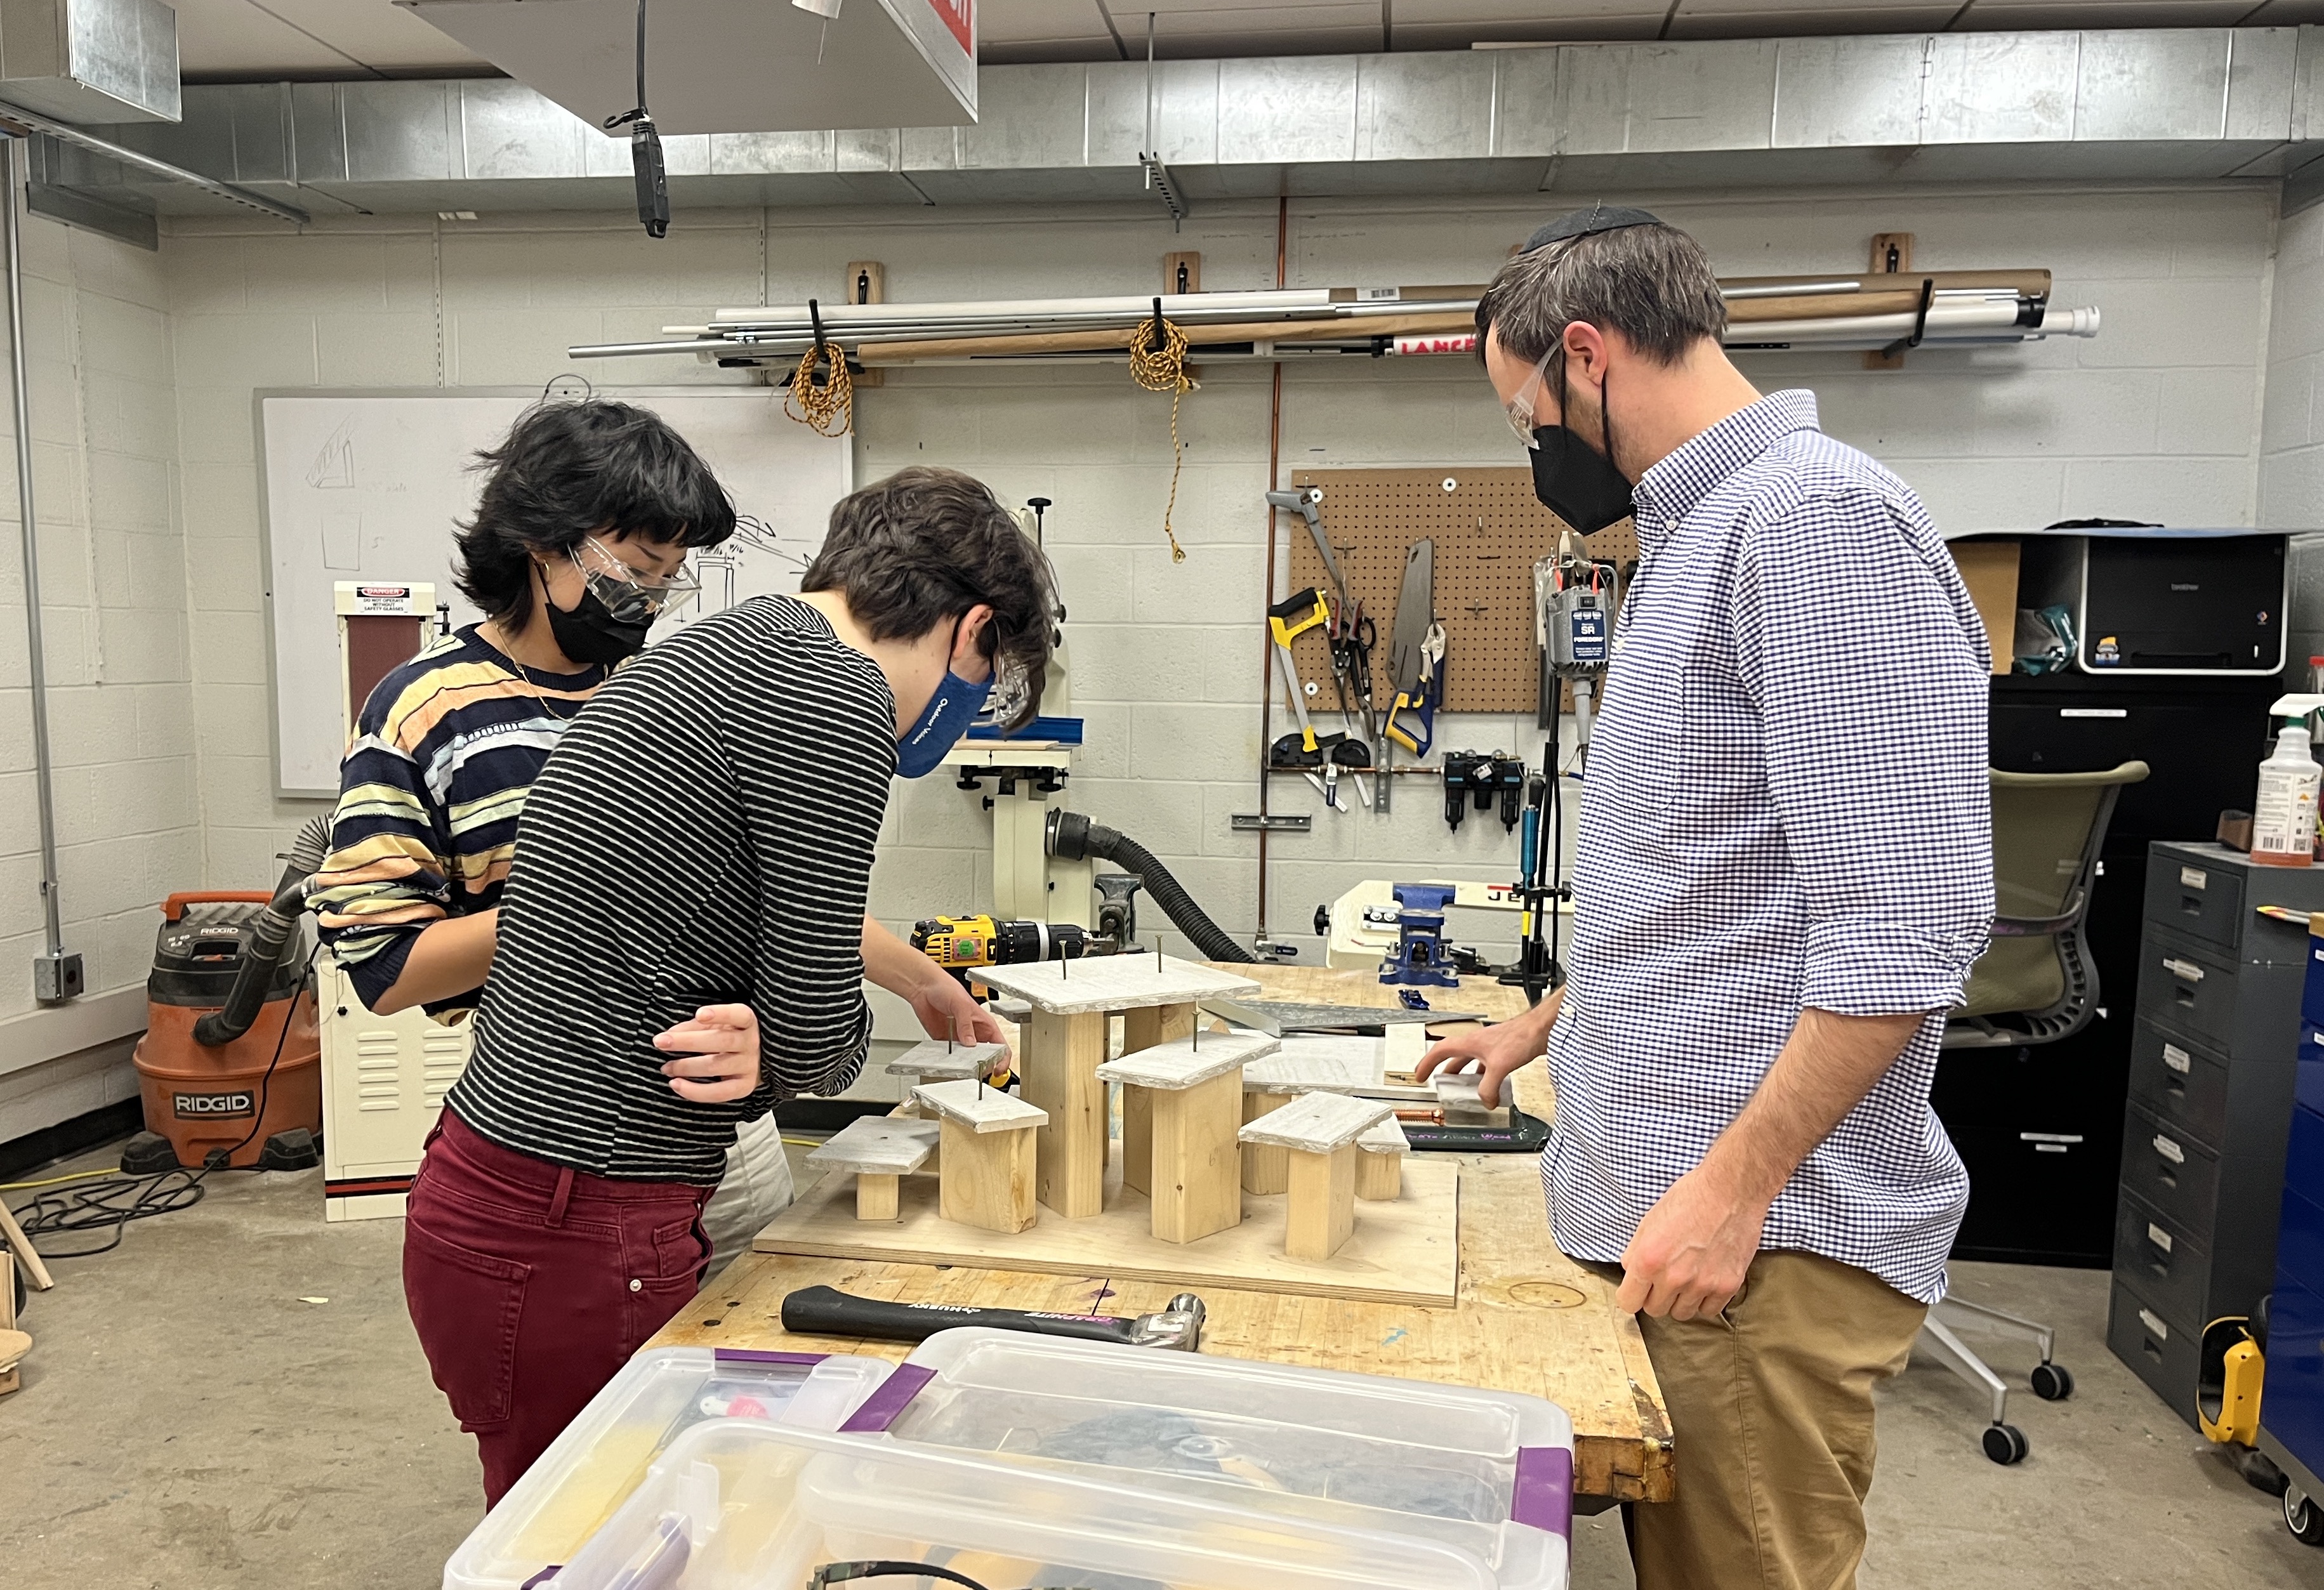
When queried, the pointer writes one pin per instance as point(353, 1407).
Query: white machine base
point(384, 1078)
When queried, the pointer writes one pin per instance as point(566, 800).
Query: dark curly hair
point(925, 545)
point(571, 470)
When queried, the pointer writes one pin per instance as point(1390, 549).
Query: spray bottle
point(2283, 816)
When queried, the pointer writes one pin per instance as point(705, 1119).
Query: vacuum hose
point(276, 930)
point(1075, 838)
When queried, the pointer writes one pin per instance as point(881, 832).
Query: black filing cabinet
point(2040, 1125)
point(2215, 1041)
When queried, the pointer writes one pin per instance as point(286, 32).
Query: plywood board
point(878, 1145)
point(1111, 982)
point(1488, 528)
point(1407, 1252)
point(1318, 1123)
point(977, 1107)
point(1184, 1062)
point(940, 1060)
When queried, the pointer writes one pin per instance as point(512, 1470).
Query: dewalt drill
point(960, 943)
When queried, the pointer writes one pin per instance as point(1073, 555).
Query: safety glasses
point(1520, 407)
point(631, 595)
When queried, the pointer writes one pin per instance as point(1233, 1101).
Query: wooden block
point(1182, 271)
point(1112, 982)
point(1197, 1186)
point(1061, 1056)
point(878, 1145)
point(1891, 252)
point(35, 1272)
point(1460, 1089)
point(941, 1062)
point(1323, 1212)
point(1401, 1049)
point(1150, 1025)
point(1188, 1062)
point(1318, 1123)
point(1380, 1162)
point(875, 1196)
point(866, 282)
point(977, 1108)
point(1265, 1168)
point(1318, 1065)
point(988, 1177)
point(1137, 1138)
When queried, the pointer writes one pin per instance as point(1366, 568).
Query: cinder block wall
point(148, 366)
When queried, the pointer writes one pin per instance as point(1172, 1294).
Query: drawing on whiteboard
point(343, 539)
point(334, 469)
point(757, 558)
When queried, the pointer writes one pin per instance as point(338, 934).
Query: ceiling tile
point(1528, 13)
point(1340, 41)
point(233, 39)
point(1817, 23)
point(379, 33)
point(999, 20)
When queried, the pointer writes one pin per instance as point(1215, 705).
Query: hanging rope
point(826, 405)
point(1157, 361)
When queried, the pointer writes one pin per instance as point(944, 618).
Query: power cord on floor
point(100, 1201)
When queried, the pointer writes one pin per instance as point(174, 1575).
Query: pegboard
point(1490, 530)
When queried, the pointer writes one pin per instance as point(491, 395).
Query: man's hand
point(1503, 1049)
point(722, 1043)
point(1690, 1251)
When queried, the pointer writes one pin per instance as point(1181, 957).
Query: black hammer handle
point(824, 1310)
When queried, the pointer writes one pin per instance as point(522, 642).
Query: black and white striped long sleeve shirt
point(701, 835)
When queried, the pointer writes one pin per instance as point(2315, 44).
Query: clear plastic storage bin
point(1489, 1474)
point(592, 1468)
point(732, 1505)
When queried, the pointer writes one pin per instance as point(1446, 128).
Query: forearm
point(893, 964)
point(449, 957)
point(1825, 1068)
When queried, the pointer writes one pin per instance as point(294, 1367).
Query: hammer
point(824, 1310)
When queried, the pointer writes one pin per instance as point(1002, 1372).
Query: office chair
point(2034, 984)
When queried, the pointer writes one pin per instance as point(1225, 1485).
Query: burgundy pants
point(531, 1284)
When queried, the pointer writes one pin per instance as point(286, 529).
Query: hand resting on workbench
point(718, 1054)
point(1503, 1048)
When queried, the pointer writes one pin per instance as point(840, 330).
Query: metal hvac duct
point(2176, 105)
point(90, 61)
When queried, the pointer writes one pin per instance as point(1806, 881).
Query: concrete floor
point(189, 1419)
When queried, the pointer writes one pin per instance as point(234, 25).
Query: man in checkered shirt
point(1785, 871)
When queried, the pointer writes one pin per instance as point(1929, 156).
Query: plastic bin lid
point(736, 1504)
point(591, 1467)
point(1488, 1471)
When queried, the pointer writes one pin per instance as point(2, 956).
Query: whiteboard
point(368, 486)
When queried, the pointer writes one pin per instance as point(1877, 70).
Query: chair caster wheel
point(2303, 1518)
point(2005, 1444)
point(2052, 1383)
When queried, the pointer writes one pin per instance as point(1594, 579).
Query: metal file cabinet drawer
point(2173, 1268)
point(2184, 1083)
point(2202, 902)
point(2190, 988)
point(2162, 1352)
point(2168, 1168)
point(2307, 1082)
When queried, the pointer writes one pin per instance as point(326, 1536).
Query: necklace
point(525, 676)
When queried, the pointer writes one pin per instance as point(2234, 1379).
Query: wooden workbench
point(1528, 1319)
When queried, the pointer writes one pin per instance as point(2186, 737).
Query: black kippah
point(1587, 223)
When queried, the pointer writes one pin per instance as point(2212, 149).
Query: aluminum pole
point(55, 976)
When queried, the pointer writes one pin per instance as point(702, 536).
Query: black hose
point(271, 939)
point(1075, 838)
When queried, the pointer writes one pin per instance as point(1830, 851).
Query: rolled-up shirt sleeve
point(1868, 667)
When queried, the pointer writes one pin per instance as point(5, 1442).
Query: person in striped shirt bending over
point(683, 943)
point(579, 541)
point(1785, 871)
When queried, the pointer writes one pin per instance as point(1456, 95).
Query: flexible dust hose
point(276, 929)
point(1073, 837)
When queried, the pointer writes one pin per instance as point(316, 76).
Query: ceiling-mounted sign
point(733, 66)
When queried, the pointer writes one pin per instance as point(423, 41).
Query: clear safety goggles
point(629, 594)
point(1520, 407)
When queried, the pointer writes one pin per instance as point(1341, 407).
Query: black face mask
point(1576, 481)
point(590, 633)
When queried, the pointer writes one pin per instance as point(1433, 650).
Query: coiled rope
point(827, 406)
point(1157, 361)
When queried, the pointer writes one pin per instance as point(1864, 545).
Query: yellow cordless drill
point(960, 943)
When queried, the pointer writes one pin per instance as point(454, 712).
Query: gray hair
point(1652, 284)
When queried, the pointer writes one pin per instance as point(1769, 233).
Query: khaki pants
point(1771, 1421)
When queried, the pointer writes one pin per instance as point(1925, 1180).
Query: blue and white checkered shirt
point(1785, 806)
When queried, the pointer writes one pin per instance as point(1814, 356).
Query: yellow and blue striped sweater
point(443, 755)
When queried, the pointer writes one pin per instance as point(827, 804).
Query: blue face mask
point(940, 724)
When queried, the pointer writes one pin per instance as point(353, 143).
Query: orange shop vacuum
point(230, 1067)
